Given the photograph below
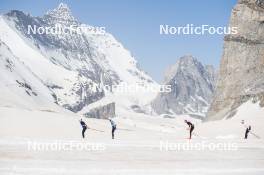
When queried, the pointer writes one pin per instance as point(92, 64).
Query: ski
point(124, 129)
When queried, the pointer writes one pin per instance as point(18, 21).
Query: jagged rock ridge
point(192, 87)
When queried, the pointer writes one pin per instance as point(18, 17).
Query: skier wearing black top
point(191, 127)
point(113, 128)
point(84, 127)
point(247, 131)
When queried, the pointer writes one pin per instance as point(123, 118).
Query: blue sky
point(135, 23)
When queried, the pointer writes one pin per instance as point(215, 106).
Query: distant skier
point(247, 131)
point(113, 128)
point(191, 127)
point(248, 128)
point(84, 127)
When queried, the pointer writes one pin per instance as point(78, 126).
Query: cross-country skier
point(247, 131)
point(84, 127)
point(113, 128)
point(248, 128)
point(191, 127)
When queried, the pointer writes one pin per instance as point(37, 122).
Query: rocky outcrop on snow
point(241, 75)
point(192, 86)
point(102, 112)
point(73, 66)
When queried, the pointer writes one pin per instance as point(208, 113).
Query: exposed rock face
point(192, 86)
point(241, 74)
point(102, 112)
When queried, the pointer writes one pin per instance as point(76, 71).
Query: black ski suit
point(247, 131)
point(84, 127)
point(191, 126)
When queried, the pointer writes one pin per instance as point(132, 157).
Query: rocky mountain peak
point(63, 6)
point(192, 86)
point(185, 64)
point(60, 14)
point(187, 59)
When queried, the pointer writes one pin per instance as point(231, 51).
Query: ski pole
point(255, 135)
point(95, 129)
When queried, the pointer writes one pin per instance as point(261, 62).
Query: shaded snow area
point(33, 142)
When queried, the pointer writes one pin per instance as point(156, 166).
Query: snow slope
point(136, 149)
point(35, 61)
point(250, 112)
point(19, 87)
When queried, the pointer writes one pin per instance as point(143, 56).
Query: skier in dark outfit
point(191, 127)
point(247, 131)
point(84, 127)
point(113, 128)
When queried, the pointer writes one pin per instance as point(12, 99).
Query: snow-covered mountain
point(192, 87)
point(69, 68)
